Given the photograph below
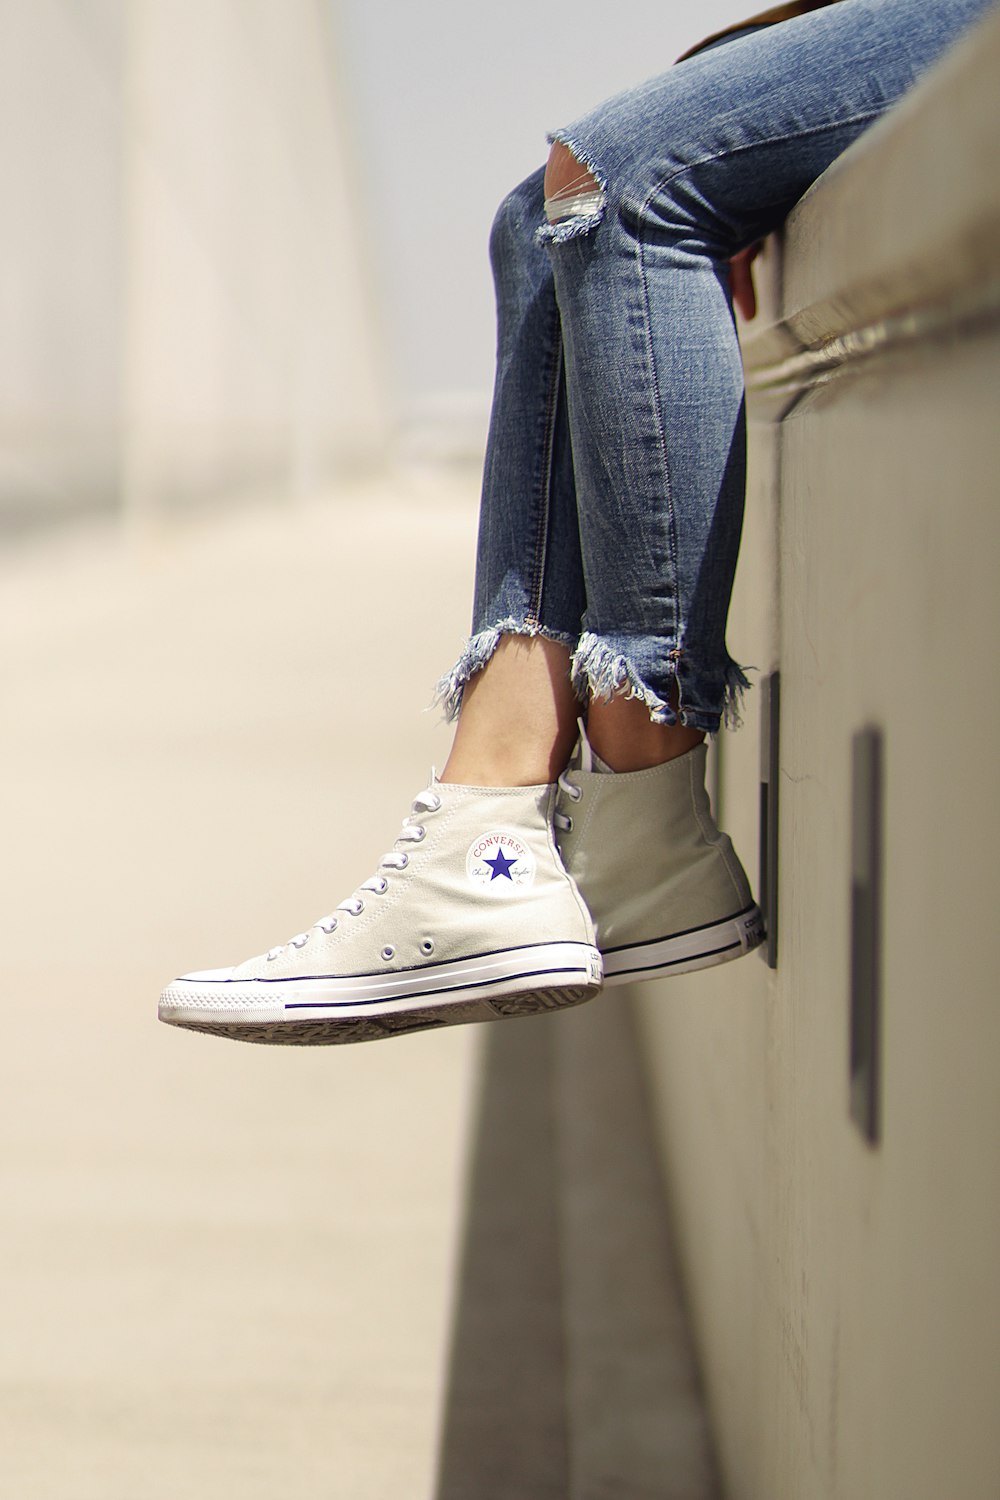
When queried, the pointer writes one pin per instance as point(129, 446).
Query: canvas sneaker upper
point(472, 906)
point(665, 887)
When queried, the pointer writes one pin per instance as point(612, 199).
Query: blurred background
point(246, 332)
point(245, 241)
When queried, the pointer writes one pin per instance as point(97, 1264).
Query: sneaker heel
point(752, 931)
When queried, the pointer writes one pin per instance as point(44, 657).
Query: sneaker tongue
point(597, 764)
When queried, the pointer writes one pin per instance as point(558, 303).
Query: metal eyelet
point(427, 946)
point(567, 824)
point(358, 907)
point(383, 885)
point(419, 832)
point(576, 792)
point(404, 860)
point(388, 952)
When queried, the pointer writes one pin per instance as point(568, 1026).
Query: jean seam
point(869, 116)
point(540, 551)
point(641, 241)
point(662, 444)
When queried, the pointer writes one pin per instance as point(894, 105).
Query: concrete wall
point(182, 286)
point(845, 1294)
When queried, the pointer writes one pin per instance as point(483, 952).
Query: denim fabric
point(613, 487)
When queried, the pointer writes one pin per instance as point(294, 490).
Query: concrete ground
point(436, 1267)
point(224, 1270)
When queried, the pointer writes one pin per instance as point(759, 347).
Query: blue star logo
point(501, 865)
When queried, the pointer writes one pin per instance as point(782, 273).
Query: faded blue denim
point(613, 488)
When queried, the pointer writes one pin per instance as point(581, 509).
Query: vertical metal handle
point(867, 773)
point(770, 689)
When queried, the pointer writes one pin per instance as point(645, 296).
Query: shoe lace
point(413, 831)
point(562, 820)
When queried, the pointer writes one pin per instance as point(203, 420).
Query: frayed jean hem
point(600, 670)
point(477, 652)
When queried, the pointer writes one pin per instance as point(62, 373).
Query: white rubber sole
point(682, 952)
point(325, 1009)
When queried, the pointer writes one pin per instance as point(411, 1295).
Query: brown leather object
point(769, 17)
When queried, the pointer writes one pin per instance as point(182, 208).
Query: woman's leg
point(617, 546)
point(620, 542)
point(518, 723)
point(518, 720)
point(678, 176)
point(519, 711)
point(637, 525)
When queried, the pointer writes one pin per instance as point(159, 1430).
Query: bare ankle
point(626, 739)
point(497, 769)
point(517, 726)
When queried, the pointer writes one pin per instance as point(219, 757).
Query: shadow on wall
point(571, 1368)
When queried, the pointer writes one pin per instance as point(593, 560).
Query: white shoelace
point(397, 859)
point(574, 793)
point(586, 758)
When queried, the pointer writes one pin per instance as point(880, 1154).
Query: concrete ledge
point(844, 1293)
point(890, 248)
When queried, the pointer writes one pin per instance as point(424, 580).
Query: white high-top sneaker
point(664, 887)
point(471, 916)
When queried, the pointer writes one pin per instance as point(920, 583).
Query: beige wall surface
point(185, 301)
point(845, 1296)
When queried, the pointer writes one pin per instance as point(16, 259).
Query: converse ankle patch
point(500, 863)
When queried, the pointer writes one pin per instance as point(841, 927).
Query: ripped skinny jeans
point(613, 487)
